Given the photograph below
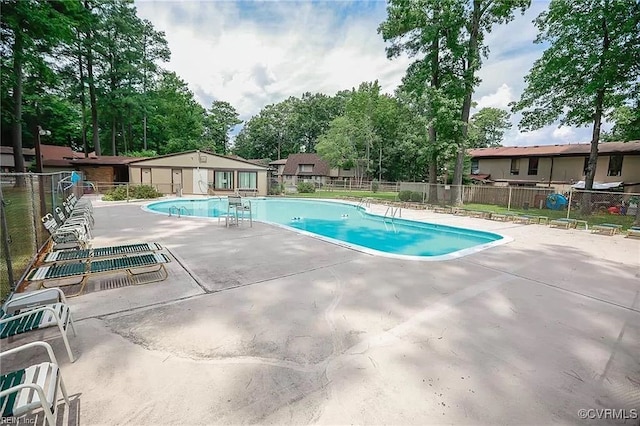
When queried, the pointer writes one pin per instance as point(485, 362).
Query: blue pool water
point(349, 225)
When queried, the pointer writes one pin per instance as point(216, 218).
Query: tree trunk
point(435, 84)
point(472, 64)
point(144, 131)
point(124, 137)
point(83, 103)
point(16, 128)
point(113, 136)
point(433, 168)
point(92, 100)
point(585, 208)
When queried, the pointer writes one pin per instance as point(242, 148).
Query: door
point(176, 181)
point(200, 184)
point(146, 176)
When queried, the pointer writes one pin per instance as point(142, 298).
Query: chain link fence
point(595, 207)
point(25, 199)
point(28, 197)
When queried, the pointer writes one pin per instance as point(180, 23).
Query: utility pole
point(39, 132)
point(144, 130)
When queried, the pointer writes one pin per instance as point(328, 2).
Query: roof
point(580, 149)
point(320, 167)
point(105, 160)
point(597, 185)
point(55, 152)
point(174, 154)
point(9, 150)
point(480, 177)
point(278, 162)
point(63, 156)
point(264, 162)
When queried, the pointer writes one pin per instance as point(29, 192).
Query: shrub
point(306, 187)
point(145, 191)
point(404, 195)
point(119, 193)
point(276, 189)
point(416, 197)
point(375, 186)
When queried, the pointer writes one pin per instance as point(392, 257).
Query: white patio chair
point(23, 391)
point(34, 310)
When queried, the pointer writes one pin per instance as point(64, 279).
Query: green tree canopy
point(591, 67)
point(487, 127)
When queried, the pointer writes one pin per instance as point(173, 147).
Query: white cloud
point(500, 99)
point(566, 134)
point(252, 54)
point(254, 57)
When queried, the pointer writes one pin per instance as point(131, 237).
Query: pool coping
point(504, 239)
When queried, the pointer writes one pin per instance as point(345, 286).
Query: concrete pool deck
point(264, 325)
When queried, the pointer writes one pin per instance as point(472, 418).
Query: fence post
point(54, 200)
point(569, 205)
point(509, 201)
point(5, 241)
point(127, 192)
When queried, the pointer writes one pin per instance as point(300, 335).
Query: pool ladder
point(390, 214)
point(364, 202)
point(178, 210)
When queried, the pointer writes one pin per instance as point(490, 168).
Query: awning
point(480, 177)
point(597, 185)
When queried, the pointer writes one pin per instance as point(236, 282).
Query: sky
point(255, 53)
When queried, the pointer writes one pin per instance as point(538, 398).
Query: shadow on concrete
point(296, 330)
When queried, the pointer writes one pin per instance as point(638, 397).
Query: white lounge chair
point(25, 390)
point(36, 310)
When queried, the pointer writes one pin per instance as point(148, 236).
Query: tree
point(626, 126)
point(448, 32)
point(271, 133)
point(487, 127)
point(219, 121)
point(480, 17)
point(89, 42)
point(313, 114)
point(430, 29)
point(175, 117)
point(591, 67)
point(30, 31)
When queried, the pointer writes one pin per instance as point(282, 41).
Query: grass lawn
point(22, 245)
point(594, 219)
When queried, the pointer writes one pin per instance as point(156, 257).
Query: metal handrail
point(171, 210)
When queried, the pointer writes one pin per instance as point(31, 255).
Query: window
point(615, 165)
point(247, 180)
point(475, 166)
point(223, 180)
point(533, 166)
point(307, 168)
point(515, 166)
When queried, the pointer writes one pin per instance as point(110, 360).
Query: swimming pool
point(348, 225)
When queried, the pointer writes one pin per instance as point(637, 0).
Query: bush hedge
point(306, 187)
point(119, 193)
point(416, 197)
point(404, 195)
